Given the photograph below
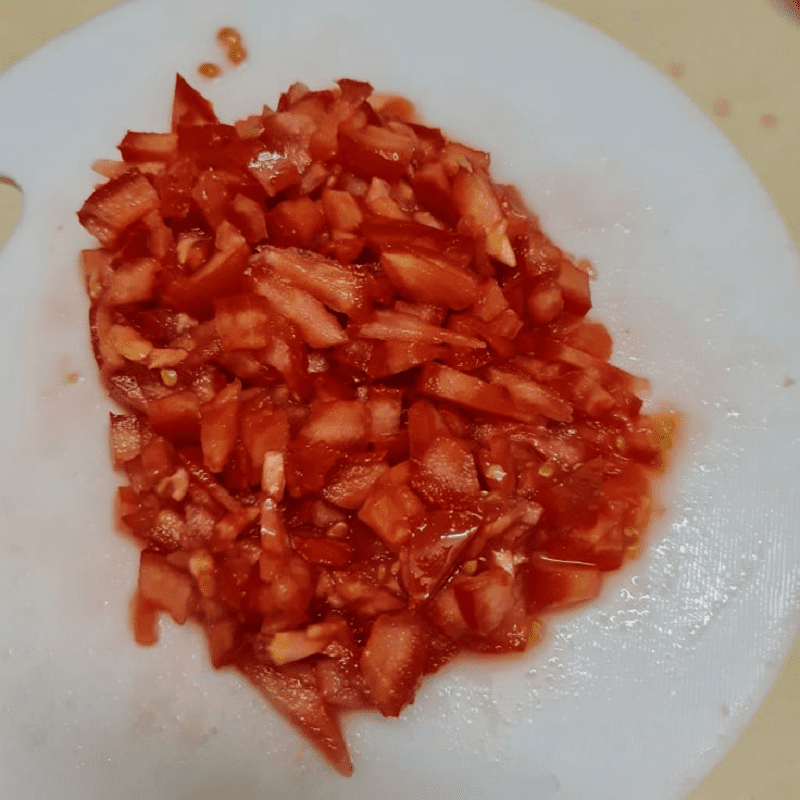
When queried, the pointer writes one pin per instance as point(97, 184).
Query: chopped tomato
point(366, 424)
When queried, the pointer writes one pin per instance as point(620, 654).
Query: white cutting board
point(636, 696)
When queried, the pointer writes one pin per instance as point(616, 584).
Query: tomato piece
point(445, 383)
point(592, 338)
point(545, 301)
point(191, 460)
point(435, 548)
point(189, 107)
point(385, 408)
point(393, 661)
point(475, 197)
point(212, 197)
point(428, 277)
point(316, 325)
point(396, 356)
point(295, 694)
point(158, 460)
point(351, 484)
point(342, 211)
point(176, 415)
point(574, 285)
point(249, 216)
point(339, 687)
point(221, 274)
point(374, 151)
point(338, 423)
point(219, 426)
point(204, 144)
point(485, 599)
point(243, 322)
point(307, 466)
point(126, 437)
point(410, 328)
point(233, 524)
point(174, 187)
point(362, 591)
point(143, 147)
point(165, 586)
point(263, 429)
point(114, 206)
point(390, 508)
point(513, 634)
point(222, 642)
point(326, 552)
point(557, 584)
point(531, 396)
point(446, 474)
point(390, 235)
point(432, 187)
point(339, 288)
point(295, 645)
point(144, 621)
point(295, 223)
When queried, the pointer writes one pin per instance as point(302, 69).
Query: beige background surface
point(740, 61)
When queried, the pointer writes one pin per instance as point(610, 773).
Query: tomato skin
point(366, 422)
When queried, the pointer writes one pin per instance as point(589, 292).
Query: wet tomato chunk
point(366, 423)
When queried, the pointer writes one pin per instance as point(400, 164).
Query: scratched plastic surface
point(634, 696)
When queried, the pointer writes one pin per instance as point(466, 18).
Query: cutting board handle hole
point(10, 208)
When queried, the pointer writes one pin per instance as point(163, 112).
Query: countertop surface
point(739, 60)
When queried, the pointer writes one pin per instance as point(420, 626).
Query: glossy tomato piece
point(137, 146)
point(375, 151)
point(555, 584)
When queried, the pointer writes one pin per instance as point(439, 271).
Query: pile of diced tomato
point(366, 424)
